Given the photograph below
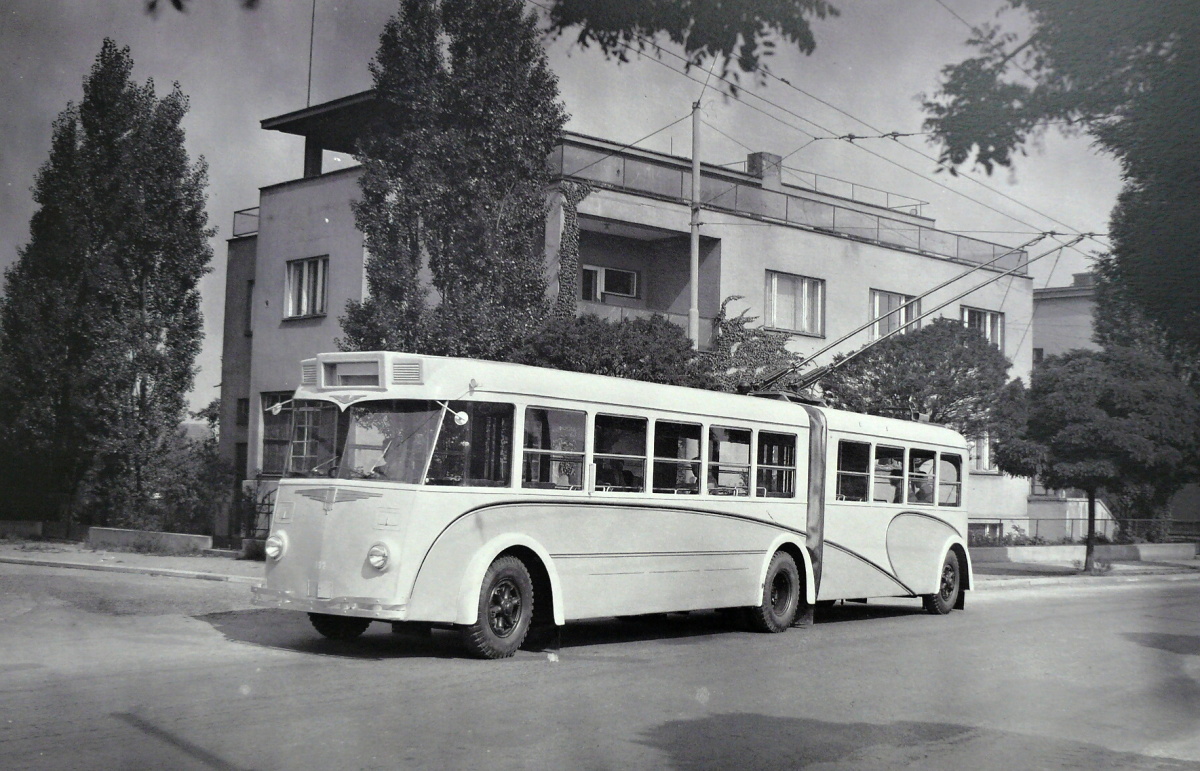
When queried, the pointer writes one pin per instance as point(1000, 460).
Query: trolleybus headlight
point(378, 555)
point(275, 546)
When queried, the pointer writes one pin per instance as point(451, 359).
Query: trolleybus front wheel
point(505, 610)
point(781, 596)
point(950, 585)
point(339, 627)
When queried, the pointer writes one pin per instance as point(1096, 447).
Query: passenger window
point(619, 452)
point(889, 475)
point(728, 461)
point(676, 457)
point(921, 466)
point(853, 470)
point(554, 441)
point(950, 480)
point(477, 453)
point(776, 465)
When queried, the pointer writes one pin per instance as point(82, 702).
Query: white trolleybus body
point(492, 497)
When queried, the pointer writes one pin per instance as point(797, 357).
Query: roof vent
point(407, 372)
point(308, 373)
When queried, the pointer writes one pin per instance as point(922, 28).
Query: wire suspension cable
point(820, 372)
point(778, 376)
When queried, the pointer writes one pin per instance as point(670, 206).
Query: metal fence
point(991, 531)
point(245, 222)
point(667, 180)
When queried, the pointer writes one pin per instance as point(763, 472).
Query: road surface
point(112, 671)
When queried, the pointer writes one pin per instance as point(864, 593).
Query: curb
point(1002, 584)
point(168, 572)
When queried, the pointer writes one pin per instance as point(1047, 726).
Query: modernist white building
point(811, 263)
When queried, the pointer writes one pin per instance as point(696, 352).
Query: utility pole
point(694, 267)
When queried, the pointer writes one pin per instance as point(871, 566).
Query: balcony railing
point(619, 313)
point(245, 222)
point(666, 180)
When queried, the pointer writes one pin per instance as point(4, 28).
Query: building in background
point(815, 261)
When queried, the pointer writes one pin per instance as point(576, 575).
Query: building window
point(1038, 355)
point(243, 412)
point(795, 303)
point(891, 311)
point(989, 323)
point(596, 282)
point(306, 280)
point(980, 448)
point(277, 433)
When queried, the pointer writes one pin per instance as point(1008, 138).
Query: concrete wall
point(236, 356)
point(299, 219)
point(99, 537)
point(1062, 319)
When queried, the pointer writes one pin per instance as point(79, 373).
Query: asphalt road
point(112, 671)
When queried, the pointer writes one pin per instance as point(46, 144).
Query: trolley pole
point(694, 266)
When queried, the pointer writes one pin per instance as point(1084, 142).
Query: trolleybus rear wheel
point(505, 610)
point(339, 627)
point(781, 596)
point(949, 586)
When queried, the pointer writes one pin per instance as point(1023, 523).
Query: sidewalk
point(988, 576)
point(60, 554)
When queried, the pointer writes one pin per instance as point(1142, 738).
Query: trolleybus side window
point(889, 475)
point(676, 457)
point(853, 470)
point(554, 444)
point(921, 465)
point(776, 465)
point(728, 461)
point(619, 453)
point(950, 480)
point(476, 452)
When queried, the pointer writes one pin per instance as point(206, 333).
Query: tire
point(505, 610)
point(339, 627)
point(950, 585)
point(781, 596)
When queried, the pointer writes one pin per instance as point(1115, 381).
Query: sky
point(238, 67)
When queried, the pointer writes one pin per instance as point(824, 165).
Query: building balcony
point(620, 313)
point(619, 168)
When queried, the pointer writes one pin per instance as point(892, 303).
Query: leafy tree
point(743, 358)
point(738, 31)
point(653, 349)
point(454, 178)
point(1125, 73)
point(944, 370)
point(1116, 420)
point(100, 324)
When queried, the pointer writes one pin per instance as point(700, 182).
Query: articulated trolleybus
point(493, 498)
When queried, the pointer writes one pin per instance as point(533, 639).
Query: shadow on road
point(1183, 644)
point(291, 631)
point(768, 742)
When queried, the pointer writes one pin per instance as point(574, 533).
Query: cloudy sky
point(238, 67)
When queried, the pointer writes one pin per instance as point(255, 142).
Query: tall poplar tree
point(454, 181)
point(100, 323)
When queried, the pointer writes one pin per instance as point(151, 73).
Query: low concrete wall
point(1147, 552)
point(144, 539)
point(21, 528)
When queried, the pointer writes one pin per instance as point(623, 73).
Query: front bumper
point(365, 607)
